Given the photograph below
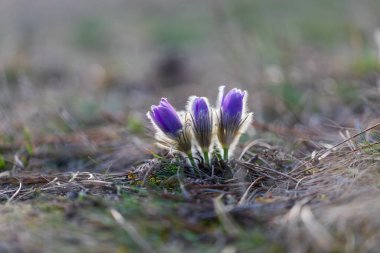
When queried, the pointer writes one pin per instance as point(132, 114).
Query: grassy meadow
point(79, 171)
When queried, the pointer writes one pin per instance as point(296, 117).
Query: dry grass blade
point(254, 166)
point(371, 145)
point(327, 152)
point(96, 182)
point(323, 155)
point(244, 197)
point(222, 212)
point(315, 229)
point(132, 232)
point(252, 144)
point(15, 194)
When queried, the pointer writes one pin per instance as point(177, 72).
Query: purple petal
point(166, 118)
point(202, 122)
point(200, 108)
point(232, 103)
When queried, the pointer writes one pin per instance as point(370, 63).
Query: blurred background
point(70, 64)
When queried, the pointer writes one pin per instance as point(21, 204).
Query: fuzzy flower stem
point(207, 159)
point(191, 158)
point(225, 154)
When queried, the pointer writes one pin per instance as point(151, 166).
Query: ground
point(79, 168)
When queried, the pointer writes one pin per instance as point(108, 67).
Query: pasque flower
point(172, 131)
point(202, 119)
point(233, 119)
point(195, 129)
point(165, 117)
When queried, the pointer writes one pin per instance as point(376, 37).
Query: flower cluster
point(202, 128)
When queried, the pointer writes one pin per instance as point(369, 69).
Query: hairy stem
point(191, 158)
point(207, 159)
point(225, 154)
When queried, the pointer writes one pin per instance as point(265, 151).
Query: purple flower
point(172, 134)
point(200, 111)
point(165, 117)
point(202, 121)
point(232, 117)
point(232, 103)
